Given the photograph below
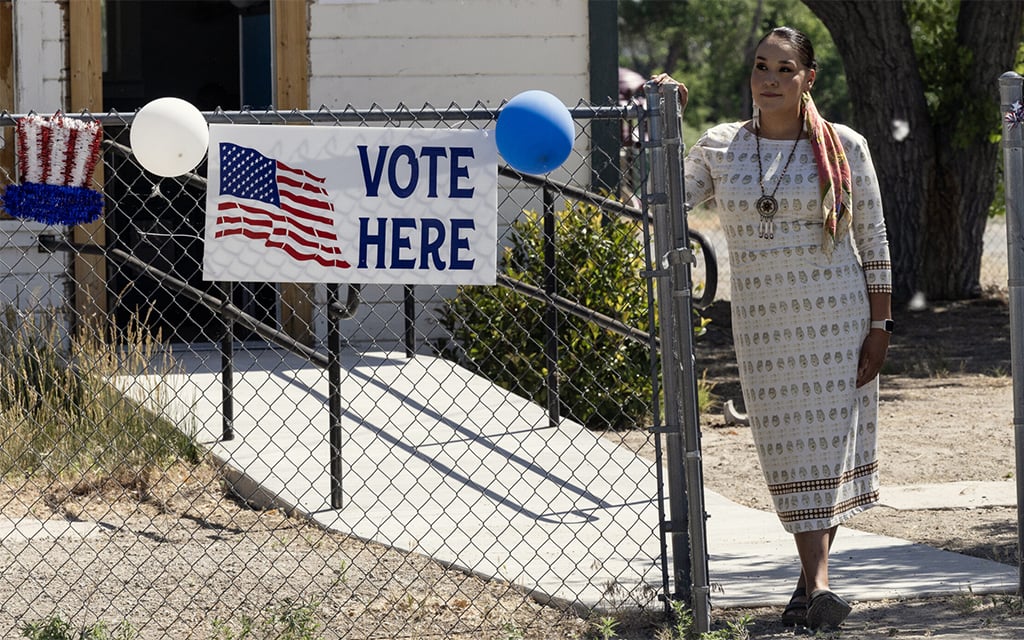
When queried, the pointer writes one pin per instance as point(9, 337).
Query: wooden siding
point(412, 51)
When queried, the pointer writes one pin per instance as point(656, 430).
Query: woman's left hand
point(684, 93)
point(872, 356)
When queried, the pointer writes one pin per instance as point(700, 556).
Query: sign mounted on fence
point(351, 205)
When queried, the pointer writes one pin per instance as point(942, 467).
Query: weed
point(292, 620)
point(966, 603)
point(682, 627)
point(706, 398)
point(1012, 604)
point(56, 628)
point(62, 408)
point(606, 628)
point(289, 620)
point(734, 630)
point(511, 631)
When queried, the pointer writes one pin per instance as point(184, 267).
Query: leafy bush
point(499, 333)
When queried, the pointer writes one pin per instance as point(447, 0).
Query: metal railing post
point(227, 368)
point(334, 395)
point(409, 313)
point(686, 505)
point(551, 311)
point(1013, 174)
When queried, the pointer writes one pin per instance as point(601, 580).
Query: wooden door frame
point(289, 25)
point(7, 101)
point(85, 93)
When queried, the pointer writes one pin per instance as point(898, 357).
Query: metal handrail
point(349, 114)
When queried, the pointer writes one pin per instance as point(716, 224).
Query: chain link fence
point(255, 460)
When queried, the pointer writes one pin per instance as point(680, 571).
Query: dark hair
point(798, 40)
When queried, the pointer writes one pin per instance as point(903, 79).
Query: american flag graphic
point(287, 208)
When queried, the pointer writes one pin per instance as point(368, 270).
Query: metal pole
point(551, 311)
point(227, 370)
point(409, 307)
point(1013, 174)
point(677, 527)
point(334, 395)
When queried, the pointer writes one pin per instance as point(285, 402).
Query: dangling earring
point(756, 119)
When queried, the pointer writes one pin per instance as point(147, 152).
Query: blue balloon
point(534, 132)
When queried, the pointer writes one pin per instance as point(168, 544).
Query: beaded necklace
point(767, 206)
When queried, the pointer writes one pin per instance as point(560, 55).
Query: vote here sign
point(351, 205)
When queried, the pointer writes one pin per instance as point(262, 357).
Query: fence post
point(1013, 174)
point(672, 247)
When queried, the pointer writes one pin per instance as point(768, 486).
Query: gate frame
point(1010, 89)
point(687, 523)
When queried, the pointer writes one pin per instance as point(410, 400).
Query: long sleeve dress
point(799, 318)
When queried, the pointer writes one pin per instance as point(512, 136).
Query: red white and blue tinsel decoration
point(1015, 116)
point(56, 159)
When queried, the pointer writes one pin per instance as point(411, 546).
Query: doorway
point(214, 54)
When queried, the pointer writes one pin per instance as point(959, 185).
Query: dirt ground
point(178, 556)
point(946, 414)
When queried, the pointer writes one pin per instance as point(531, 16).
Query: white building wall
point(30, 279)
point(443, 51)
point(40, 71)
point(438, 52)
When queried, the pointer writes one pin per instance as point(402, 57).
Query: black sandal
point(826, 610)
point(795, 612)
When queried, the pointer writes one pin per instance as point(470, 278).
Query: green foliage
point(944, 66)
point(606, 628)
point(288, 620)
point(709, 46)
point(56, 628)
point(60, 411)
point(500, 334)
point(682, 627)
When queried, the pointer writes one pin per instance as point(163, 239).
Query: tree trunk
point(887, 95)
point(988, 33)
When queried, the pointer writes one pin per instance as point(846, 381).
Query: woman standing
point(799, 203)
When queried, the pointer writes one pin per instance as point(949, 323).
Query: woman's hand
point(872, 356)
point(684, 93)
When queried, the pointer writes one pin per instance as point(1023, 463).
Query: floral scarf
point(833, 175)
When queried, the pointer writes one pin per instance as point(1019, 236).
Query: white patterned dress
point(799, 319)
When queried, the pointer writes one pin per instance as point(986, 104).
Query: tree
point(710, 47)
point(931, 122)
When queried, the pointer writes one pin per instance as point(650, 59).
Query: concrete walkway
point(440, 462)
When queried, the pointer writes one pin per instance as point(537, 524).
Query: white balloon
point(169, 137)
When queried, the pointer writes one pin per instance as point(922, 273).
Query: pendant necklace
point(767, 206)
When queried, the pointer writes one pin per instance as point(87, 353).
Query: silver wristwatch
point(885, 325)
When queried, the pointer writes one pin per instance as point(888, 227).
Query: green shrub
point(499, 333)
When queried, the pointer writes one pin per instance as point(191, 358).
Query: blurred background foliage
point(709, 46)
